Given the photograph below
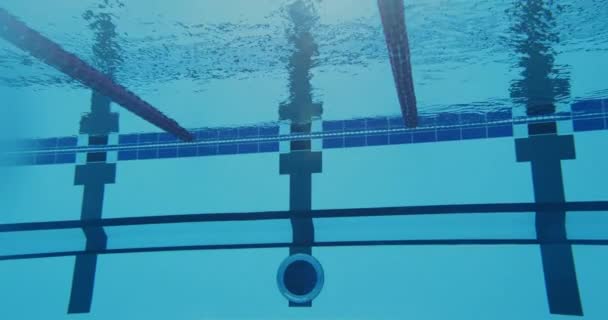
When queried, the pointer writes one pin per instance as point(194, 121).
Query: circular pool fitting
point(300, 278)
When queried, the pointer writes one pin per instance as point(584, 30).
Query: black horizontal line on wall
point(490, 208)
point(365, 243)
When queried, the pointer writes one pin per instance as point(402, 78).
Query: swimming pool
point(306, 192)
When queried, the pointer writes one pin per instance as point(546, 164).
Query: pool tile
point(228, 133)
point(376, 123)
point(588, 124)
point(128, 138)
point(332, 143)
point(474, 133)
point(227, 149)
point(354, 141)
point(187, 151)
point(248, 132)
point(170, 152)
point(333, 125)
point(448, 134)
point(147, 153)
point(587, 107)
point(377, 139)
point(424, 136)
point(207, 150)
point(269, 131)
point(448, 119)
point(247, 147)
point(207, 134)
point(127, 155)
point(354, 125)
point(67, 142)
point(269, 146)
point(45, 158)
point(148, 138)
point(500, 131)
point(400, 138)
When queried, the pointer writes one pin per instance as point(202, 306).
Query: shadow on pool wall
point(361, 203)
point(542, 84)
point(96, 173)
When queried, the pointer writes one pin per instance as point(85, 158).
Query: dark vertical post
point(545, 153)
point(301, 162)
point(300, 166)
point(96, 173)
point(92, 176)
point(542, 83)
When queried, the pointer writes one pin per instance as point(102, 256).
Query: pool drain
point(300, 278)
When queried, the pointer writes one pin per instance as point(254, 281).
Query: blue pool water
point(304, 195)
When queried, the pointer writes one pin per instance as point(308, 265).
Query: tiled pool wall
point(585, 115)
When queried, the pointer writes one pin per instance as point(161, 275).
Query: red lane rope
point(31, 41)
point(392, 13)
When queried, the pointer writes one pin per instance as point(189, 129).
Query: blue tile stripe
point(377, 131)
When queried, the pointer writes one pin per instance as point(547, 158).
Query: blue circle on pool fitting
point(300, 278)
